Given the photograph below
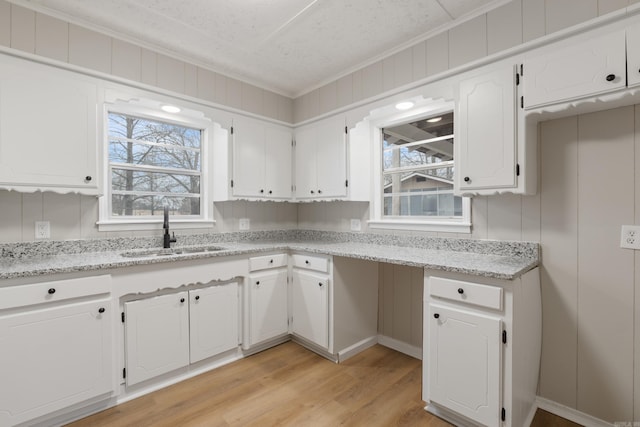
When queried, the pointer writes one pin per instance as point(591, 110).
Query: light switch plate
point(630, 237)
point(356, 225)
point(244, 224)
point(43, 230)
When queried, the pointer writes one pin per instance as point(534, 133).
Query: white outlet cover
point(356, 225)
point(244, 224)
point(42, 230)
point(630, 237)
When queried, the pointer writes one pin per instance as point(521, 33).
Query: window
point(416, 170)
point(153, 161)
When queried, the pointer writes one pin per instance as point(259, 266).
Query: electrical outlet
point(630, 237)
point(244, 224)
point(356, 225)
point(43, 230)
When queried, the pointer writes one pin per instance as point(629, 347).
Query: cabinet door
point(331, 153)
point(633, 56)
point(268, 302)
point(248, 158)
point(310, 307)
point(278, 162)
point(465, 362)
point(156, 336)
point(48, 128)
point(52, 358)
point(213, 315)
point(580, 69)
point(487, 131)
point(305, 163)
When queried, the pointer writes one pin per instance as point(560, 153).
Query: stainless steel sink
point(185, 250)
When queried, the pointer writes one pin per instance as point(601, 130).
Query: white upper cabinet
point(633, 56)
point(48, 129)
point(491, 154)
point(321, 160)
point(579, 68)
point(261, 160)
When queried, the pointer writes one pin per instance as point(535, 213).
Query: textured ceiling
point(290, 46)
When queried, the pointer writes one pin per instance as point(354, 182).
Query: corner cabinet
point(321, 160)
point(261, 160)
point(48, 129)
point(482, 344)
point(56, 341)
point(491, 155)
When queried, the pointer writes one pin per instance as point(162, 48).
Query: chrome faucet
point(168, 240)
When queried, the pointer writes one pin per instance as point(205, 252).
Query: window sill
point(153, 224)
point(440, 226)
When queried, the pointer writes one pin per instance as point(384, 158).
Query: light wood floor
point(291, 386)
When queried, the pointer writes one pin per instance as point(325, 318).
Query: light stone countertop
point(502, 260)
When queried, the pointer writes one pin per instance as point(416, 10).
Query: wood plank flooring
point(290, 386)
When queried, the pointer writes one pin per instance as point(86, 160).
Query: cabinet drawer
point(466, 292)
point(311, 262)
point(267, 261)
point(59, 290)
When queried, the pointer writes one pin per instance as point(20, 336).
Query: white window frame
point(388, 117)
point(152, 110)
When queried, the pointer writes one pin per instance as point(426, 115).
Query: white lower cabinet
point(481, 353)
point(167, 332)
point(268, 301)
point(57, 353)
point(310, 307)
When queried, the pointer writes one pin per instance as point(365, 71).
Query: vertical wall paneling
point(605, 271)
point(63, 212)
point(504, 27)
point(328, 97)
point(285, 109)
point(559, 272)
point(403, 67)
point(252, 99)
point(89, 49)
point(606, 6)
point(234, 93)
point(125, 60)
point(220, 92)
point(480, 217)
point(372, 80)
point(170, 73)
point(388, 77)
point(11, 214)
point(438, 54)
point(560, 14)
point(386, 302)
point(313, 104)
point(88, 218)
point(344, 90)
point(52, 38)
point(32, 207)
point(417, 287)
point(533, 20)
point(271, 104)
point(636, 329)
point(148, 67)
point(23, 29)
point(504, 217)
point(468, 41)
point(358, 91)
point(190, 80)
point(5, 23)
point(206, 84)
point(419, 60)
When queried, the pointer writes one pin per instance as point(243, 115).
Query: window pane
point(416, 155)
point(162, 156)
point(129, 127)
point(134, 205)
point(159, 182)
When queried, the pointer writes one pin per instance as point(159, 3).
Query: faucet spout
point(168, 240)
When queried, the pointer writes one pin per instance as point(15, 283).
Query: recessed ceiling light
point(404, 105)
point(434, 120)
point(170, 109)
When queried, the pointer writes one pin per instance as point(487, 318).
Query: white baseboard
point(402, 347)
point(570, 413)
point(357, 348)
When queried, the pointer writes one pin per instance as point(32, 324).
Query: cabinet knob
point(258, 283)
point(437, 316)
point(307, 262)
point(460, 291)
point(197, 297)
point(313, 192)
point(270, 261)
point(181, 299)
point(51, 291)
point(320, 284)
point(319, 191)
point(88, 178)
point(611, 77)
point(101, 310)
point(467, 179)
point(261, 191)
point(270, 192)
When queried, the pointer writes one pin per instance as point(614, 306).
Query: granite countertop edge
point(498, 264)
